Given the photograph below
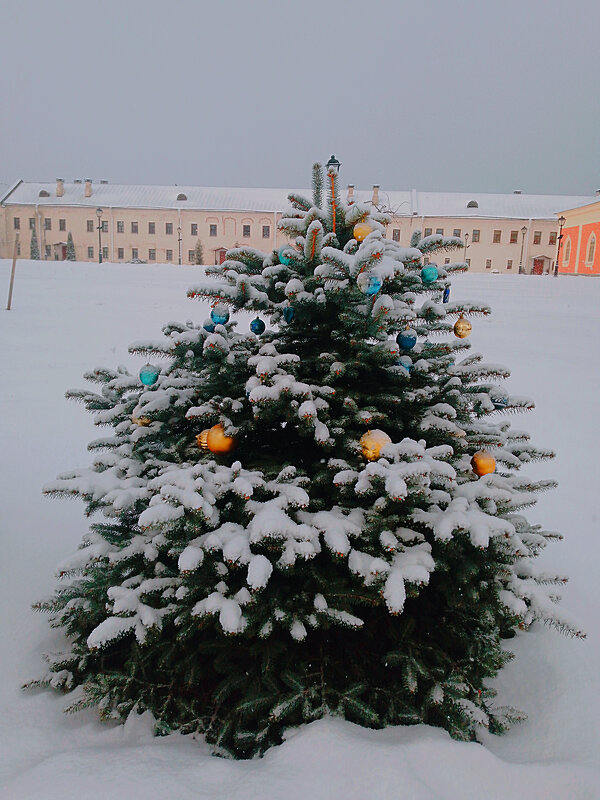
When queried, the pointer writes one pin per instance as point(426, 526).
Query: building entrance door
point(538, 266)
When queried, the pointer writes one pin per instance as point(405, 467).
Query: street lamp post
point(523, 232)
point(99, 215)
point(334, 164)
point(179, 242)
point(466, 246)
point(561, 223)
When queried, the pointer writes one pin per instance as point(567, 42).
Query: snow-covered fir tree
point(34, 248)
point(321, 516)
point(70, 248)
point(198, 253)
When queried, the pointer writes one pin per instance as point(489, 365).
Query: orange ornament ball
point(483, 462)
point(462, 328)
point(201, 439)
point(372, 442)
point(361, 230)
point(217, 442)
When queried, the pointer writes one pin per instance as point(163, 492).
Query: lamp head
point(333, 163)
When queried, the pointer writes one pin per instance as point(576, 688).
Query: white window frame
point(591, 245)
point(566, 255)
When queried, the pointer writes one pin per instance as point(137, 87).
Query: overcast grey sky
point(493, 95)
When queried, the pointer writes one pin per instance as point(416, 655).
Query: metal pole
point(521, 258)
point(100, 239)
point(12, 273)
point(557, 255)
point(466, 246)
point(561, 222)
point(179, 242)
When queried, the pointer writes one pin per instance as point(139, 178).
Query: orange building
point(580, 246)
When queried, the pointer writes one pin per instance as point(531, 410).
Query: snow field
point(68, 318)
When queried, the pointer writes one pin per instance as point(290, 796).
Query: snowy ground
point(67, 318)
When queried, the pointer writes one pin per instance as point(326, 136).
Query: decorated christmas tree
point(323, 515)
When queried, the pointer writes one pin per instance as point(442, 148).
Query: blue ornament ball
point(220, 314)
point(429, 274)
point(407, 339)
point(499, 400)
point(257, 326)
point(446, 294)
point(209, 326)
point(406, 362)
point(149, 374)
point(369, 283)
point(288, 314)
point(284, 255)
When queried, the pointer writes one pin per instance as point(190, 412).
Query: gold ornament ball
point(201, 439)
point(143, 422)
point(462, 327)
point(217, 442)
point(372, 443)
point(361, 230)
point(483, 462)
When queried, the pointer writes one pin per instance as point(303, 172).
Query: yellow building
point(502, 232)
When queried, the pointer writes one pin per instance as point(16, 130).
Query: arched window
point(182, 196)
point(472, 204)
point(567, 251)
point(43, 193)
point(591, 249)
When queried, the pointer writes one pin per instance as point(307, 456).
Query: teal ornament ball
point(288, 314)
point(209, 326)
point(257, 326)
point(406, 362)
point(284, 255)
point(149, 374)
point(429, 274)
point(407, 339)
point(220, 314)
point(369, 283)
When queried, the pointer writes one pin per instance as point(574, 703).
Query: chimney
point(76, 180)
point(88, 187)
point(60, 187)
point(517, 191)
point(103, 181)
point(375, 199)
point(350, 197)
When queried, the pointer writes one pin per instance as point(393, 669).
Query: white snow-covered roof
point(404, 203)
point(137, 196)
point(587, 204)
point(455, 204)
